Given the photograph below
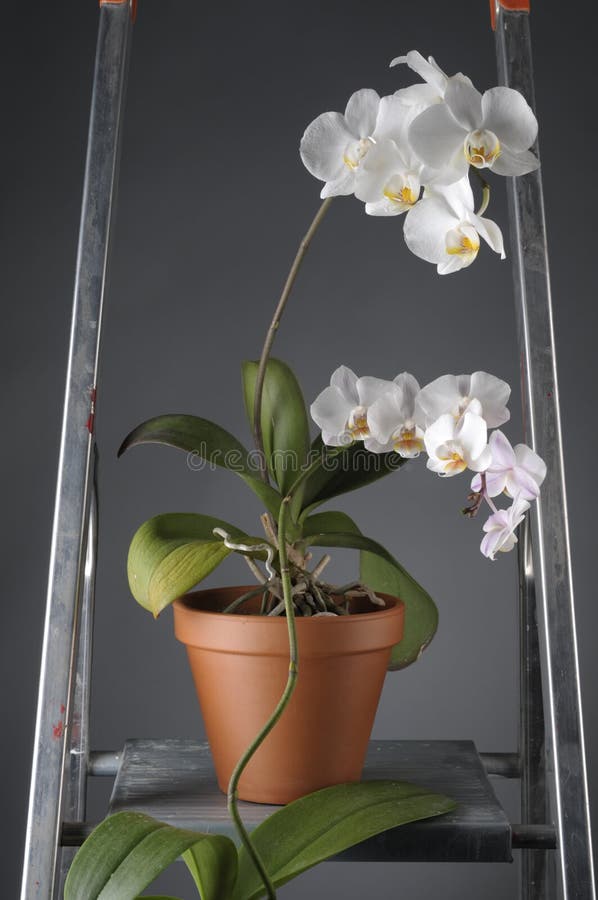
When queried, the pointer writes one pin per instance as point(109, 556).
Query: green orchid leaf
point(172, 553)
point(205, 443)
point(325, 823)
point(421, 613)
point(127, 851)
point(381, 572)
point(347, 471)
point(213, 866)
point(285, 428)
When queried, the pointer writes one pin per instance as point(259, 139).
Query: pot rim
point(268, 635)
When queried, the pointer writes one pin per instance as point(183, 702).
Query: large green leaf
point(206, 443)
point(421, 613)
point(323, 824)
point(347, 471)
point(214, 868)
point(285, 429)
point(124, 854)
point(381, 571)
point(171, 553)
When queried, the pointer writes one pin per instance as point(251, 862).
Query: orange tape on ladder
point(518, 5)
point(119, 3)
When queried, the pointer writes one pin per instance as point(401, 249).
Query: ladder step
point(173, 780)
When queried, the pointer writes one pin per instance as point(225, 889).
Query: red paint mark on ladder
point(92, 410)
point(58, 730)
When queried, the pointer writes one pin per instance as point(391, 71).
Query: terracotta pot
point(240, 666)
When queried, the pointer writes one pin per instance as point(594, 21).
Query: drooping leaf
point(206, 443)
point(421, 613)
point(381, 571)
point(347, 471)
point(325, 823)
point(285, 428)
point(213, 867)
point(127, 851)
point(171, 553)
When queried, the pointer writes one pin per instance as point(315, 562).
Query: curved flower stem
point(271, 334)
point(285, 574)
point(485, 193)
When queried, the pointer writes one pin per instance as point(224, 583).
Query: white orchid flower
point(334, 145)
point(494, 130)
point(392, 419)
point(500, 528)
point(390, 178)
point(443, 228)
point(517, 471)
point(456, 445)
point(341, 410)
point(480, 393)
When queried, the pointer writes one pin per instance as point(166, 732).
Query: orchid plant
point(408, 154)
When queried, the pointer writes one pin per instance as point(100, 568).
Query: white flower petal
point(454, 263)
point(506, 113)
point(435, 136)
point(330, 411)
point(438, 433)
point(371, 388)
point(381, 162)
point(511, 162)
point(436, 399)
point(427, 69)
point(323, 145)
point(361, 112)
point(491, 233)
point(375, 446)
point(473, 436)
point(341, 187)
point(495, 483)
point(527, 459)
point(481, 462)
point(345, 380)
point(458, 196)
point(422, 95)
point(464, 102)
point(503, 455)
point(426, 227)
point(410, 388)
point(385, 415)
point(493, 394)
point(520, 483)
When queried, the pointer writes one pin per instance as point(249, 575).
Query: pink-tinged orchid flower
point(514, 470)
point(500, 528)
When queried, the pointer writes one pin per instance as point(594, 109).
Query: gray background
point(213, 200)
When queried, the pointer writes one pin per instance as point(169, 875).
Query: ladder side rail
point(565, 754)
point(538, 870)
point(77, 755)
point(73, 482)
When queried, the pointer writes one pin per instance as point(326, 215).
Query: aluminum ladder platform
point(554, 836)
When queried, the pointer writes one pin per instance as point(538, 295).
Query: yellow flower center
point(358, 427)
point(466, 244)
point(407, 443)
point(406, 195)
point(481, 148)
point(454, 463)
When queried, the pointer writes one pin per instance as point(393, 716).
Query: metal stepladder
point(554, 837)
